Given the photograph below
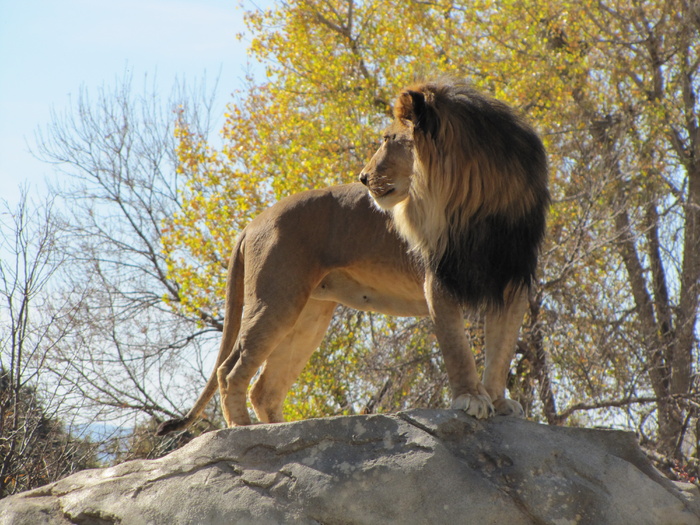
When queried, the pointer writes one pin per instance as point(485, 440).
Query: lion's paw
point(508, 407)
point(478, 406)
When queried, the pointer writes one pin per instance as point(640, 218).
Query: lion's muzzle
point(364, 178)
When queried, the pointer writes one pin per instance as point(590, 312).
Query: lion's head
point(465, 179)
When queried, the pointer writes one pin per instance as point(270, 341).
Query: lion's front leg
point(502, 328)
point(468, 393)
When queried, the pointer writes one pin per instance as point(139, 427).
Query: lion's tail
point(232, 325)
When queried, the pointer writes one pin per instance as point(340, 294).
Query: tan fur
point(296, 261)
point(290, 267)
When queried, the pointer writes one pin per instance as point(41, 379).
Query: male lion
point(465, 182)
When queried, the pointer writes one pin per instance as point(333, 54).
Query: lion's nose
point(363, 178)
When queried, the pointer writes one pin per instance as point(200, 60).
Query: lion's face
point(388, 173)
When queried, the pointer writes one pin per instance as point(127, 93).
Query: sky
point(50, 49)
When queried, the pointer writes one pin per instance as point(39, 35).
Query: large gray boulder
point(422, 466)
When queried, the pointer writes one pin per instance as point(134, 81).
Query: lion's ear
point(411, 105)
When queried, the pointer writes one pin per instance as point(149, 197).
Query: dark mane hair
point(478, 197)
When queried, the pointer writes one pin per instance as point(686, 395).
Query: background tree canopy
point(152, 211)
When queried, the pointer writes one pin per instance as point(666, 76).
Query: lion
point(451, 217)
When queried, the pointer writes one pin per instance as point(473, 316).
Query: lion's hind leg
point(287, 360)
point(265, 324)
point(502, 328)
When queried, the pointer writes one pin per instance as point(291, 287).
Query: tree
point(630, 76)
point(35, 446)
point(130, 353)
point(612, 335)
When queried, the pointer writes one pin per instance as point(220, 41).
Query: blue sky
point(49, 49)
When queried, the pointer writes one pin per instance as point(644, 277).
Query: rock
point(421, 466)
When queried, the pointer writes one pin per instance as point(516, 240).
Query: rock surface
point(421, 466)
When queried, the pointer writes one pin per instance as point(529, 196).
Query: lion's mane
point(478, 196)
